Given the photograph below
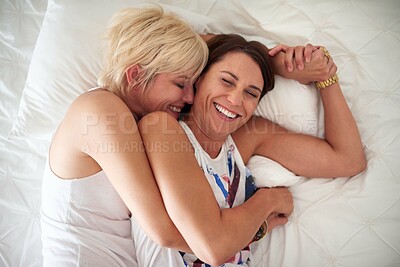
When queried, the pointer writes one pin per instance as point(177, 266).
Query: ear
point(132, 73)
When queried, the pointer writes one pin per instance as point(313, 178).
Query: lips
point(225, 112)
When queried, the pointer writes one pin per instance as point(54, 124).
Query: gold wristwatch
point(332, 80)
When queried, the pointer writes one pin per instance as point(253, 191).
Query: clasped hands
point(306, 64)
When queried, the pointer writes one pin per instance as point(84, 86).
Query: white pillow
point(292, 105)
point(295, 107)
point(67, 60)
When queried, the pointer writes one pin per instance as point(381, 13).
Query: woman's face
point(227, 94)
point(167, 92)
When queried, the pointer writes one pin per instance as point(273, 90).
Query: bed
point(49, 54)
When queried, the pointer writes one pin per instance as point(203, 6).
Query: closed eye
point(252, 94)
point(180, 86)
point(228, 82)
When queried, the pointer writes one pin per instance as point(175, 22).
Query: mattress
point(348, 221)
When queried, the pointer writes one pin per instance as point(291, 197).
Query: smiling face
point(227, 95)
point(167, 92)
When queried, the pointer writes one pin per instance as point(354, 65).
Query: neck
point(134, 106)
point(211, 145)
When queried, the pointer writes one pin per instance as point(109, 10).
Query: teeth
point(175, 109)
point(225, 112)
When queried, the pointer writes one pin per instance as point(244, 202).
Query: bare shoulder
point(95, 116)
point(75, 134)
point(99, 110)
point(97, 100)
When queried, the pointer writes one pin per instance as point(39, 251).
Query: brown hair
point(222, 44)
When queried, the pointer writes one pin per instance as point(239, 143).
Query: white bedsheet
point(343, 222)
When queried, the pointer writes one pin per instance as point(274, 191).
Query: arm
point(111, 126)
point(213, 234)
point(339, 154)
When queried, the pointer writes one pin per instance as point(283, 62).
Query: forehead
point(240, 64)
point(182, 77)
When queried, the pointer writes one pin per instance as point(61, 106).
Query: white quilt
point(349, 221)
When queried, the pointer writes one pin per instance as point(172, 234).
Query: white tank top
point(84, 222)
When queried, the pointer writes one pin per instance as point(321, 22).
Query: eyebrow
point(237, 79)
point(183, 77)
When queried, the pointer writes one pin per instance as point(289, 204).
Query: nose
point(188, 94)
point(235, 97)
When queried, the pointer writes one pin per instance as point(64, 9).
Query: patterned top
point(231, 183)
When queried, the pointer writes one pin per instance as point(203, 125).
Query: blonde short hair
point(156, 41)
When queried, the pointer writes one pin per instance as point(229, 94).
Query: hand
point(276, 219)
point(301, 55)
point(320, 68)
point(283, 206)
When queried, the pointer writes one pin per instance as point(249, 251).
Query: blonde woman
point(97, 172)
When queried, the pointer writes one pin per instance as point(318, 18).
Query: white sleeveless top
point(231, 183)
point(84, 223)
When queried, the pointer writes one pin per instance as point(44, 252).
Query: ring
point(326, 53)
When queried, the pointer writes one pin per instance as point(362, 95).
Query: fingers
point(299, 57)
point(284, 201)
point(332, 68)
point(290, 51)
point(330, 65)
point(288, 60)
point(277, 49)
point(308, 51)
point(276, 221)
point(326, 55)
